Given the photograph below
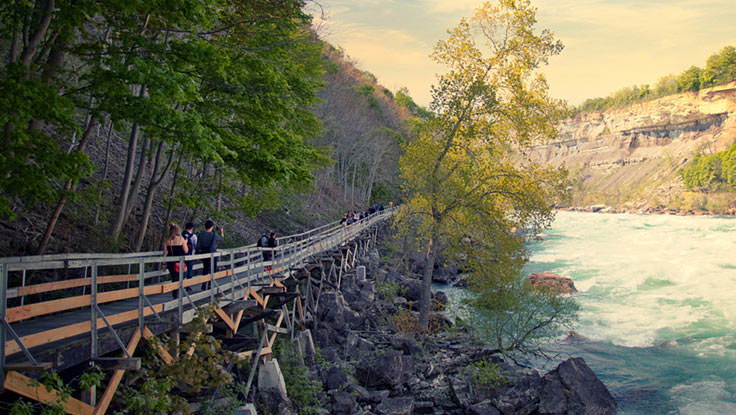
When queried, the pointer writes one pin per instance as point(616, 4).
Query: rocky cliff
point(629, 157)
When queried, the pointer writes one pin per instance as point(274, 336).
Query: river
point(658, 306)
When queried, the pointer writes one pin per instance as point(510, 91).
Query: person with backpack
point(175, 245)
point(207, 242)
point(191, 239)
point(272, 243)
point(263, 243)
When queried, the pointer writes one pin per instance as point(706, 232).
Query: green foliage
point(720, 68)
point(227, 84)
point(388, 289)
point(21, 407)
point(710, 172)
point(91, 378)
point(467, 187)
point(689, 81)
point(299, 387)
point(404, 99)
point(487, 375)
point(514, 317)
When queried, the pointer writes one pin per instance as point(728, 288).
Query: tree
point(689, 80)
point(468, 180)
point(720, 68)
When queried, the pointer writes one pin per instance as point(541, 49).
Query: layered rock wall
point(631, 155)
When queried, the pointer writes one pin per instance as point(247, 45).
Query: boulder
point(387, 369)
point(573, 388)
point(552, 282)
point(335, 378)
point(521, 396)
point(345, 403)
point(483, 408)
point(412, 289)
point(396, 406)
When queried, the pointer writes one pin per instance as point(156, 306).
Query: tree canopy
point(225, 86)
point(470, 186)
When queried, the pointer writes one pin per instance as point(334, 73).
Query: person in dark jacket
point(207, 242)
point(272, 243)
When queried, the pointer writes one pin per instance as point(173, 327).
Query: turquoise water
point(658, 306)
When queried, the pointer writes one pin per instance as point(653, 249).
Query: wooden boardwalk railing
point(98, 293)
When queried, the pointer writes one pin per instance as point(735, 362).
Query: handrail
point(242, 266)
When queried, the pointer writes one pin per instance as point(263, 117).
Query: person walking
point(191, 239)
point(263, 243)
point(175, 245)
point(272, 243)
point(207, 242)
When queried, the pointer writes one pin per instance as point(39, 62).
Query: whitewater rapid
point(658, 306)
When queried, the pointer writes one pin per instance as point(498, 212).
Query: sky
point(609, 44)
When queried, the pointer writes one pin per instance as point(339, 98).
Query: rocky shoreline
point(366, 361)
point(659, 210)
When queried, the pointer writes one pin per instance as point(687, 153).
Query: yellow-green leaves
point(469, 185)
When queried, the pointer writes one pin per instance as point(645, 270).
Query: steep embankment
point(629, 157)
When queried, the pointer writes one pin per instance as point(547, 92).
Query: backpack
point(263, 242)
point(188, 237)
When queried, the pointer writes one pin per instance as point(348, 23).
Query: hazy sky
point(609, 44)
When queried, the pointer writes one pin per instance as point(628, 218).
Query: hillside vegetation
point(720, 68)
point(120, 117)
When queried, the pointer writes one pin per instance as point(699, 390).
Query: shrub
point(487, 375)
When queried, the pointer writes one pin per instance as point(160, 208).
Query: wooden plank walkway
point(46, 333)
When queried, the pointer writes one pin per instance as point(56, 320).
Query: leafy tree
point(689, 80)
point(720, 67)
point(468, 181)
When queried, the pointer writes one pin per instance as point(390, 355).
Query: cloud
point(452, 6)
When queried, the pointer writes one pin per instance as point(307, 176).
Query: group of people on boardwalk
point(353, 216)
point(186, 242)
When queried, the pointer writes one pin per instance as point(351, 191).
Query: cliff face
point(629, 157)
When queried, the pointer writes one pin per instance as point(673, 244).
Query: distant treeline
point(711, 172)
point(720, 68)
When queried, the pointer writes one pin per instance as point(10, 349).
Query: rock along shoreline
point(366, 363)
point(647, 210)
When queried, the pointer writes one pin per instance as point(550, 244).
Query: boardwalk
point(100, 304)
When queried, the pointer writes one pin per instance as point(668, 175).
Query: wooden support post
point(117, 376)
point(160, 349)
point(27, 387)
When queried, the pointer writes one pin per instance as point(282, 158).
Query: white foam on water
point(646, 275)
point(707, 397)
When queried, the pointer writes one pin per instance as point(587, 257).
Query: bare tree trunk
point(352, 186)
point(424, 302)
point(150, 195)
point(199, 187)
point(170, 208)
point(117, 227)
point(105, 169)
point(67, 187)
point(34, 42)
point(219, 191)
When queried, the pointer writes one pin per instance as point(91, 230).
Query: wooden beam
point(116, 377)
point(28, 366)
point(30, 388)
point(225, 318)
point(257, 297)
point(119, 363)
point(277, 325)
point(243, 355)
point(237, 321)
point(160, 349)
point(299, 308)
